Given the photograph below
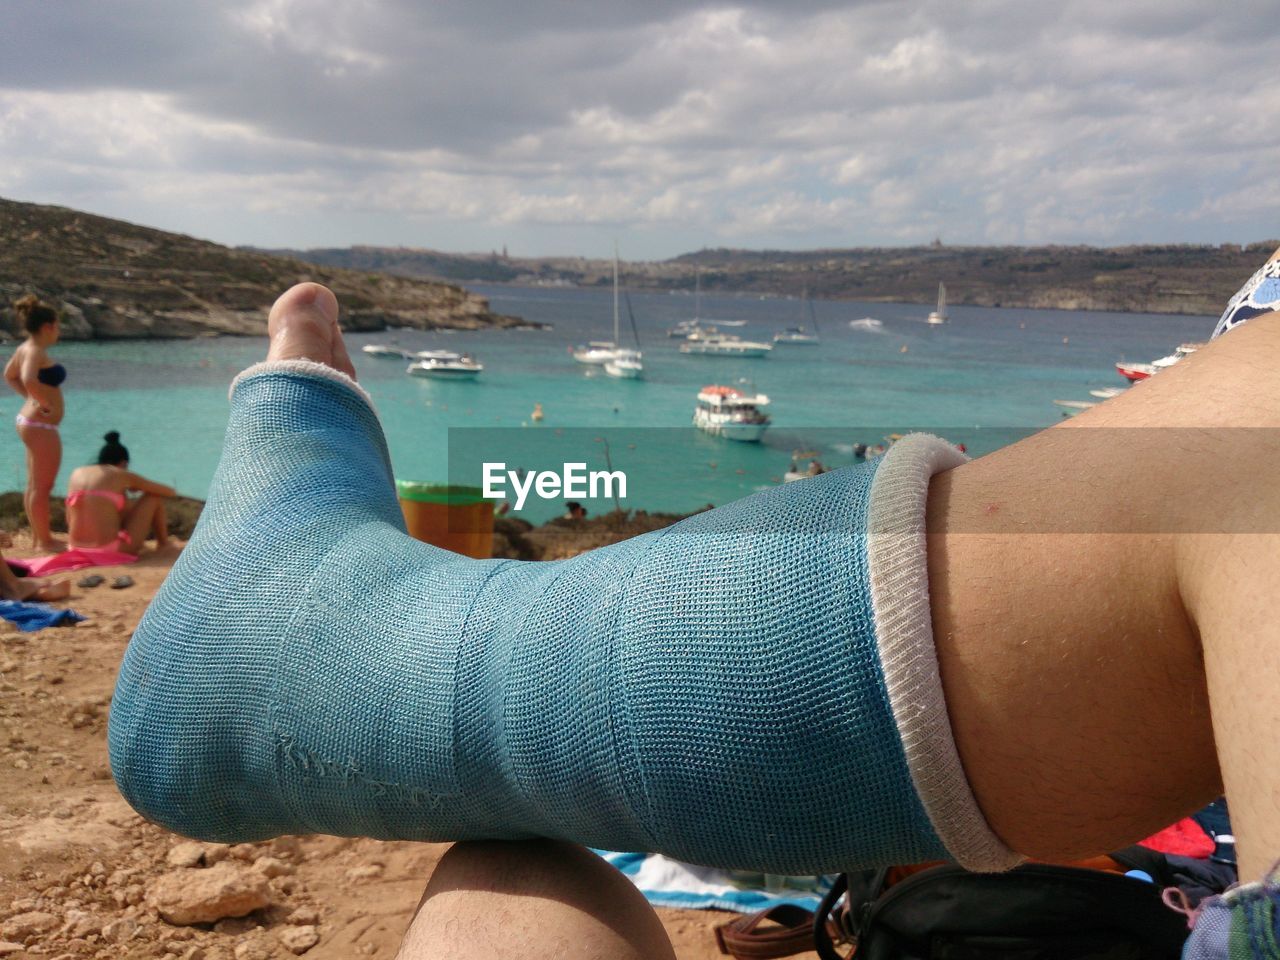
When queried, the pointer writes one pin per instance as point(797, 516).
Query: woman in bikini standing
point(100, 515)
point(37, 379)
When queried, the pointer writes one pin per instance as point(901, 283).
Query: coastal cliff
point(116, 280)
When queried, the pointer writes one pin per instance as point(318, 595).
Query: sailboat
point(625, 364)
point(798, 336)
point(598, 352)
point(940, 315)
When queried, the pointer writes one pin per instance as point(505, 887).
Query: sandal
point(90, 581)
point(119, 583)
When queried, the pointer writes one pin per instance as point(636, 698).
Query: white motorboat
point(939, 316)
point(1071, 407)
point(386, 350)
point(1142, 371)
point(596, 352)
point(867, 323)
point(712, 343)
point(626, 365)
point(1106, 393)
point(730, 413)
point(445, 365)
point(795, 336)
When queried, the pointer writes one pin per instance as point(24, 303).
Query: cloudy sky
point(552, 126)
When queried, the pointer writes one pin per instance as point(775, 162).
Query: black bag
point(1034, 912)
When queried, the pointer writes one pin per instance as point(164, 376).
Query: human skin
point(95, 522)
point(42, 403)
point(1086, 669)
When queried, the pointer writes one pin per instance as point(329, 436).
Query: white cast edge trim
point(306, 368)
point(898, 565)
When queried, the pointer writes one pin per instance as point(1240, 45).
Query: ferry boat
point(445, 365)
point(711, 342)
point(730, 413)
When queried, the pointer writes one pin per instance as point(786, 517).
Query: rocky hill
point(114, 280)
point(1179, 278)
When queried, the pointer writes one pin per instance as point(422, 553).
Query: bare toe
point(303, 325)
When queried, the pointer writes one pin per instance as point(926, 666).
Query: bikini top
point(52, 376)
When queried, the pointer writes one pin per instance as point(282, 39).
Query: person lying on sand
point(1050, 652)
point(29, 588)
point(100, 515)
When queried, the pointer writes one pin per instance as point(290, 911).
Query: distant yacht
point(867, 323)
point(625, 364)
point(710, 342)
point(386, 350)
point(939, 316)
point(445, 365)
point(799, 336)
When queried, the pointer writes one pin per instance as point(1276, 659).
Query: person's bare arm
point(134, 481)
point(13, 374)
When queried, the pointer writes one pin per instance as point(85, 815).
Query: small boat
point(386, 350)
point(682, 329)
point(1071, 407)
point(712, 343)
point(798, 335)
point(1106, 393)
point(730, 413)
point(1141, 371)
point(815, 468)
point(867, 323)
point(1136, 371)
point(445, 365)
point(939, 316)
point(596, 352)
point(625, 365)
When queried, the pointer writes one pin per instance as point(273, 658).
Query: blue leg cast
point(754, 687)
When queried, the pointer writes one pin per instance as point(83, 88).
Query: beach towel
point(671, 883)
point(31, 617)
point(77, 558)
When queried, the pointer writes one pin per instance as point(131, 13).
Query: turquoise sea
point(984, 379)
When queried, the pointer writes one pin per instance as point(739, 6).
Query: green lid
point(448, 494)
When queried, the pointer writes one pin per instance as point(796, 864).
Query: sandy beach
point(81, 875)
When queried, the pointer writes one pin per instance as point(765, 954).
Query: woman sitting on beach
point(100, 515)
point(34, 377)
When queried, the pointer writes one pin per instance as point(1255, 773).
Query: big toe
point(303, 325)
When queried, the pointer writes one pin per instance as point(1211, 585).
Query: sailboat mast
point(615, 294)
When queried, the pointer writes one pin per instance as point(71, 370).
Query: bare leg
point(140, 519)
point(534, 899)
point(160, 526)
point(14, 588)
point(1072, 662)
point(44, 456)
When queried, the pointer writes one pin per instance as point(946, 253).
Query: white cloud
point(763, 123)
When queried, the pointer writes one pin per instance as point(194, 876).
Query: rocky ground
point(83, 876)
point(115, 280)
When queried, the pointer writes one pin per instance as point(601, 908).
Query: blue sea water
point(984, 379)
